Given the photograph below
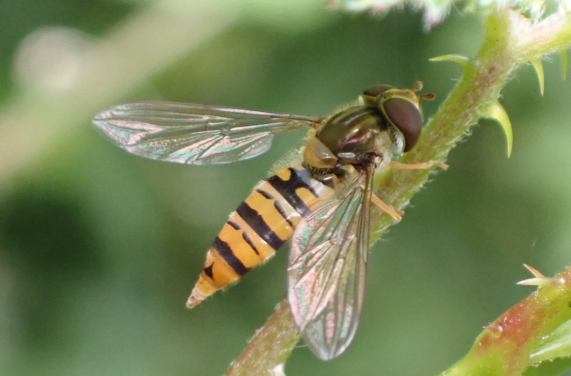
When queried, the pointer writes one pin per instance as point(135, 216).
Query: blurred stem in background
point(155, 37)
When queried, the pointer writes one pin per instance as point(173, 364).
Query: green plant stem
point(280, 333)
point(510, 40)
point(504, 347)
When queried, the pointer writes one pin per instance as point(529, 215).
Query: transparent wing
point(327, 269)
point(193, 133)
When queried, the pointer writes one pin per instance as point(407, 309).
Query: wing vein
point(327, 268)
point(193, 133)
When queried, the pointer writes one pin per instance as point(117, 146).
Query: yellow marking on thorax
point(284, 174)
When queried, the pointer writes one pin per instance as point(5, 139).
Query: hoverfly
point(322, 204)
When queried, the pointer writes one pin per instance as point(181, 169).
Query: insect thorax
point(358, 136)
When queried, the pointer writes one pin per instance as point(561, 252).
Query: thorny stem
point(504, 347)
point(277, 330)
point(510, 40)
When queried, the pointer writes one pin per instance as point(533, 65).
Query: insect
point(322, 204)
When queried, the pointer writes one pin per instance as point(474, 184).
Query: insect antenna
point(418, 86)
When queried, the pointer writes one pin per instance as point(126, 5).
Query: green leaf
point(555, 345)
point(555, 368)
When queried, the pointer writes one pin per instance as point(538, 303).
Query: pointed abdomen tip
point(193, 301)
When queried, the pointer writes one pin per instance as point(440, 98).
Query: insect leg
point(383, 206)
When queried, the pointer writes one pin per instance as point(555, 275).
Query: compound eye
point(376, 90)
point(406, 117)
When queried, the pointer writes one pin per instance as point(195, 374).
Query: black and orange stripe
point(258, 228)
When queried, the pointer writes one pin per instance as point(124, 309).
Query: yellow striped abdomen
point(257, 229)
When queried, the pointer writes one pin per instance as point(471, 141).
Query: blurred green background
point(99, 249)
